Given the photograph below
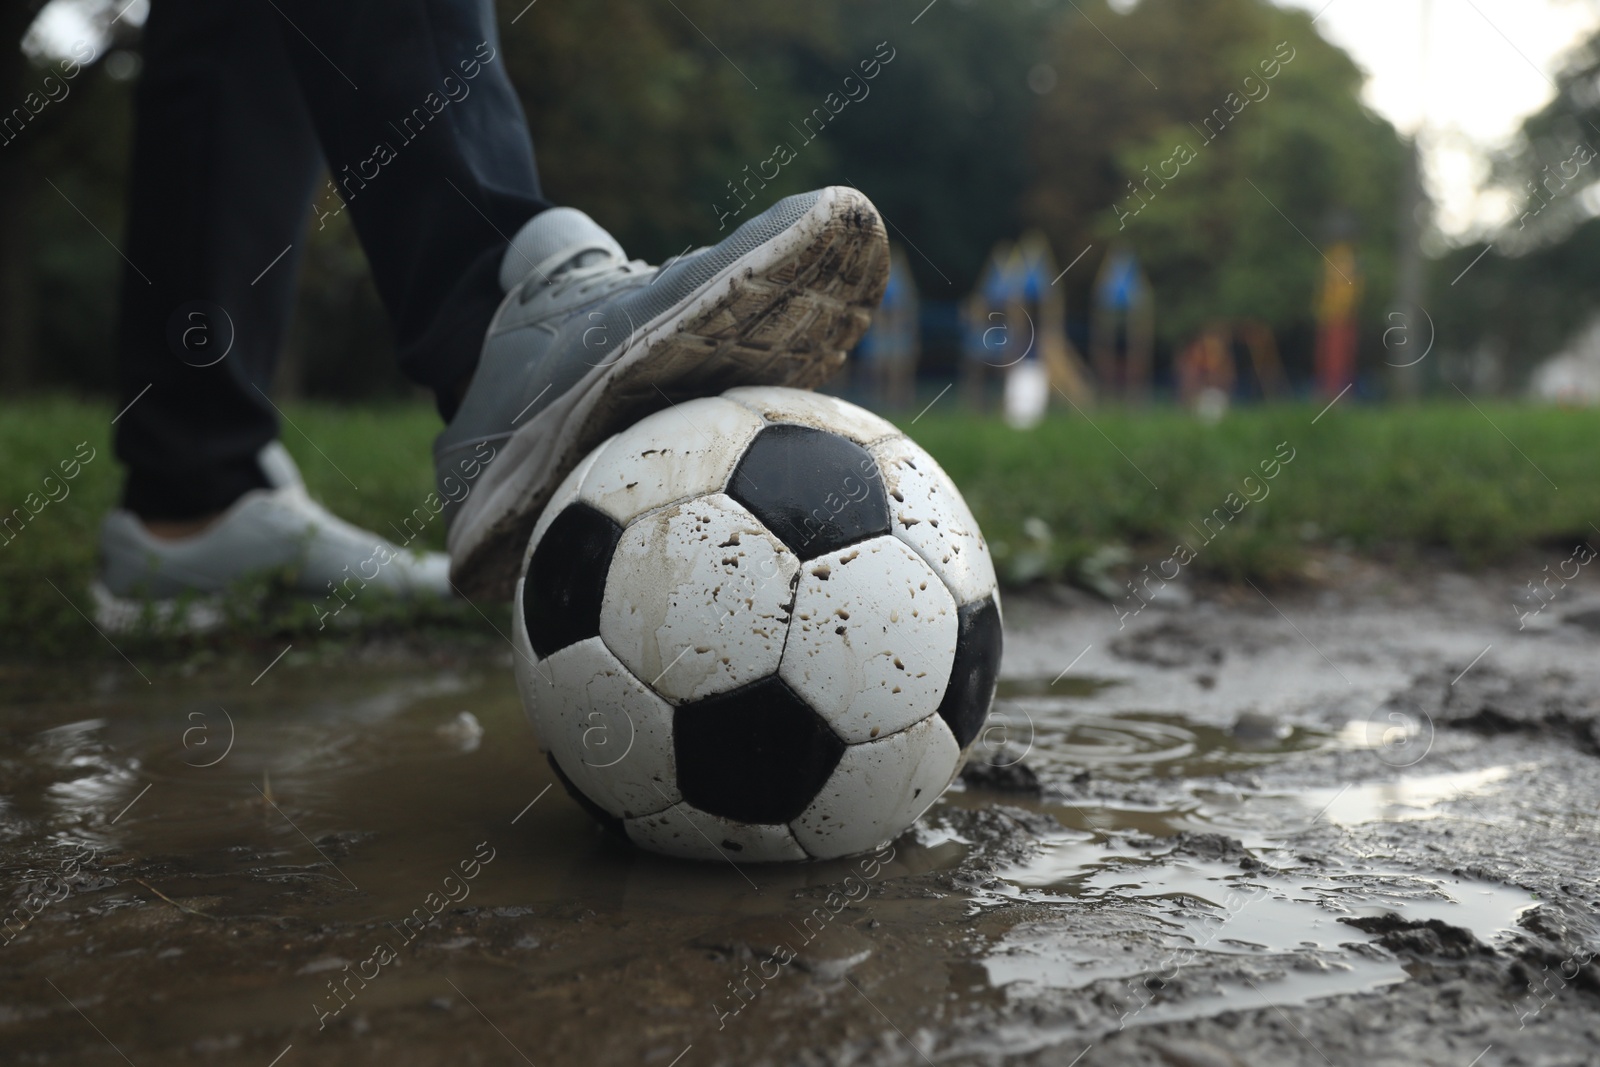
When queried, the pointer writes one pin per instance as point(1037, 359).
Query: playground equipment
point(1207, 369)
point(1123, 311)
point(1014, 322)
point(1335, 358)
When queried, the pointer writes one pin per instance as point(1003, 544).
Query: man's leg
point(429, 152)
point(224, 160)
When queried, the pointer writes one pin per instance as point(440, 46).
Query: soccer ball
point(760, 626)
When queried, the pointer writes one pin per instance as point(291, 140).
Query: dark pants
point(239, 104)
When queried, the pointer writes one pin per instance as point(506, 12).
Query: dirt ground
point(1351, 825)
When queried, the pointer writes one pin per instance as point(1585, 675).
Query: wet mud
point(1322, 829)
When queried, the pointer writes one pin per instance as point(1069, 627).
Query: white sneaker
point(276, 529)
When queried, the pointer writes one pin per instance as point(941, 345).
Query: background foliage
point(994, 116)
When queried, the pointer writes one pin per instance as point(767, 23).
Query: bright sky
point(1481, 68)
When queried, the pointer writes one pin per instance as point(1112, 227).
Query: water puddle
point(1408, 798)
point(1173, 935)
point(1196, 920)
point(302, 821)
point(1062, 738)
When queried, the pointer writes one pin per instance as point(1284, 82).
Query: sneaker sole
point(785, 313)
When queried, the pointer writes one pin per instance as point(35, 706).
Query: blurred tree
point(1525, 307)
point(63, 173)
point(16, 303)
point(1551, 172)
point(1210, 176)
point(941, 144)
point(992, 115)
point(641, 120)
point(1530, 288)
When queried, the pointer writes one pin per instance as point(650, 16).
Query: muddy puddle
point(356, 864)
point(1232, 886)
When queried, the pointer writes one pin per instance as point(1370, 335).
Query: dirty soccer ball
point(762, 626)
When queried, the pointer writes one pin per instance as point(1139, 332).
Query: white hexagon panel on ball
point(878, 789)
point(685, 451)
point(684, 830)
point(873, 638)
point(801, 407)
point(928, 513)
point(697, 599)
point(610, 734)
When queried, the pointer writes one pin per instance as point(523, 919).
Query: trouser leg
point(224, 160)
point(429, 151)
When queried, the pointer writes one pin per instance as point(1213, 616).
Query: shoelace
point(607, 274)
point(581, 280)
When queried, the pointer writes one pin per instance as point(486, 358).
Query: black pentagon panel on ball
point(757, 754)
point(601, 815)
point(815, 490)
point(566, 578)
point(975, 672)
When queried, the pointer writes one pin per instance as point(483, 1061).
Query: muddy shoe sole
point(786, 312)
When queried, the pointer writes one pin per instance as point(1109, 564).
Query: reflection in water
point(1411, 796)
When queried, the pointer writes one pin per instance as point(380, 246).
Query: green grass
point(1062, 501)
point(1389, 481)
